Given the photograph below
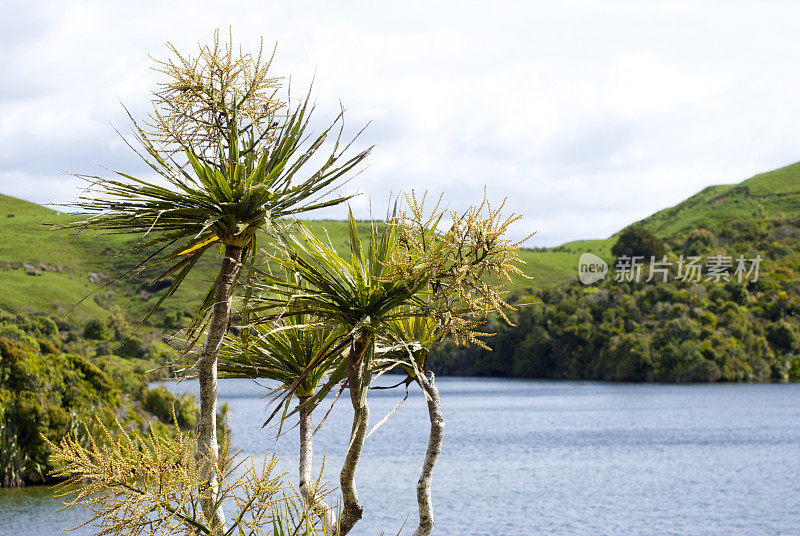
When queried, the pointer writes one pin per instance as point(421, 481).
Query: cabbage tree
point(228, 160)
point(406, 271)
point(298, 355)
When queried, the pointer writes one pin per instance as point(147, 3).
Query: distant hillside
point(705, 328)
point(69, 267)
point(771, 195)
point(775, 194)
point(51, 271)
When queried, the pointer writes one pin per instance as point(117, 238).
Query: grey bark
point(208, 446)
point(306, 460)
point(426, 521)
point(306, 443)
point(352, 510)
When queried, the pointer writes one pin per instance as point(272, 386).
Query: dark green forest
point(672, 331)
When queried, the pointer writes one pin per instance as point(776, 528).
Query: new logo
point(591, 268)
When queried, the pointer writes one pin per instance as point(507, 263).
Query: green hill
point(67, 267)
point(49, 272)
point(771, 195)
point(706, 328)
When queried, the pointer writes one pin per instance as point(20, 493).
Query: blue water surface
point(539, 457)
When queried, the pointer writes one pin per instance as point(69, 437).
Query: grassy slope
point(557, 265)
point(772, 195)
point(24, 238)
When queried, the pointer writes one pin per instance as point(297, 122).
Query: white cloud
point(585, 115)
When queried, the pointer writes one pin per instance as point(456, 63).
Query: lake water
point(537, 457)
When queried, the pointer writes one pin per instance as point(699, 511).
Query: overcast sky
point(586, 115)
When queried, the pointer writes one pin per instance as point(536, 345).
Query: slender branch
point(324, 512)
point(435, 439)
point(352, 510)
point(208, 446)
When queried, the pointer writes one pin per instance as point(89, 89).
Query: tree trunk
point(434, 448)
point(208, 446)
point(352, 510)
point(306, 459)
point(306, 445)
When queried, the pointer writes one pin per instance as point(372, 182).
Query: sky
point(586, 116)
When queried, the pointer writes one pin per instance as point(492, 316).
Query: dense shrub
point(638, 241)
point(698, 242)
point(47, 393)
point(95, 330)
point(163, 404)
point(44, 395)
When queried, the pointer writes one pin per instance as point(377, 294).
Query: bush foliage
point(667, 332)
point(49, 384)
